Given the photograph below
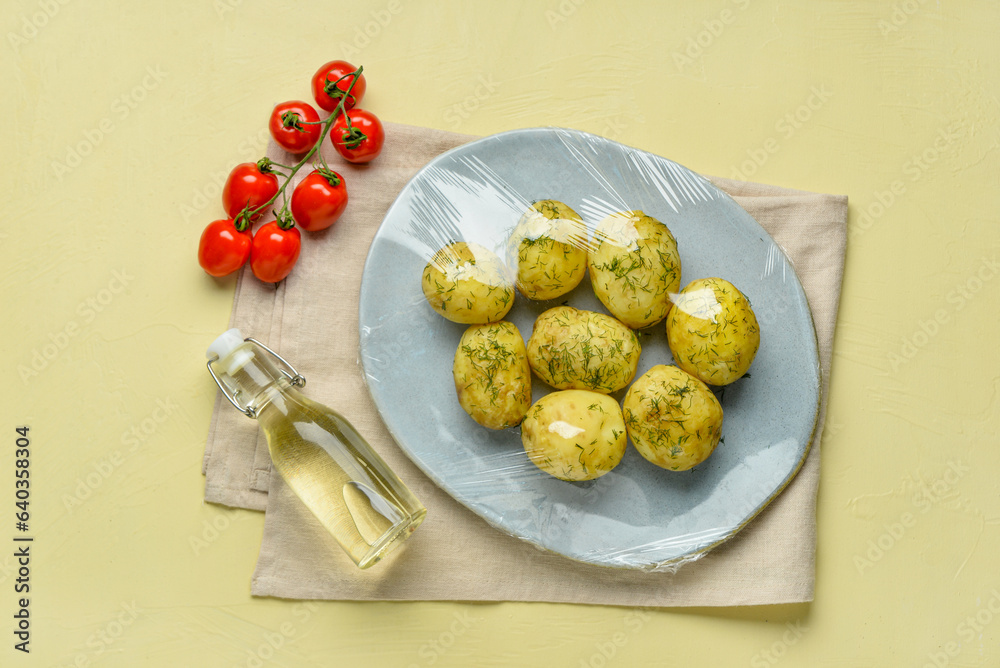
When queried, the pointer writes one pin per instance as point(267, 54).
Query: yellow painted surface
point(893, 103)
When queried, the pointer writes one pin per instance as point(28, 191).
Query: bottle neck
point(251, 377)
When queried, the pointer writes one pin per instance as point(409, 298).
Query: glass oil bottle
point(322, 458)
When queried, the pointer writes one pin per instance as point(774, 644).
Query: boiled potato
point(582, 350)
point(467, 283)
point(673, 419)
point(549, 248)
point(634, 267)
point(574, 434)
point(712, 331)
point(492, 376)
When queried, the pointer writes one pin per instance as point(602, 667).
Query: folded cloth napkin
point(311, 319)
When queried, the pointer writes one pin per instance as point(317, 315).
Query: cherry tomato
point(274, 252)
point(248, 186)
point(289, 131)
point(319, 199)
point(223, 249)
point(365, 143)
point(327, 94)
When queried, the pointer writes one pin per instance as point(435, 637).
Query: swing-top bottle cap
point(227, 342)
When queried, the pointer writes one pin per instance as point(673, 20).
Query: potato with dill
point(468, 284)
point(673, 419)
point(712, 331)
point(492, 376)
point(634, 267)
point(574, 434)
point(582, 350)
point(549, 248)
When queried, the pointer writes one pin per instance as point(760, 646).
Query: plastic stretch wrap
point(637, 515)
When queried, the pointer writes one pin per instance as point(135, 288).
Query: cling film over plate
point(577, 340)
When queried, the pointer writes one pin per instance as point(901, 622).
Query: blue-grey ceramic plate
point(638, 515)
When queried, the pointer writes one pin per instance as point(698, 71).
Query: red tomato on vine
point(363, 141)
point(295, 126)
point(328, 88)
point(223, 248)
point(249, 186)
point(274, 251)
point(319, 199)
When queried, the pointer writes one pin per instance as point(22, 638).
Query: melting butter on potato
point(712, 331)
point(468, 284)
point(673, 419)
point(549, 248)
point(583, 350)
point(574, 434)
point(634, 267)
point(492, 376)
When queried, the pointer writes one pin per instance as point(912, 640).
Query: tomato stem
point(284, 219)
point(264, 164)
point(331, 176)
point(331, 89)
point(292, 120)
point(354, 137)
point(242, 221)
point(340, 106)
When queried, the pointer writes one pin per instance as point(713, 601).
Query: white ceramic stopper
point(227, 342)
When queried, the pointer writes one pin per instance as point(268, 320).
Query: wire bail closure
point(287, 370)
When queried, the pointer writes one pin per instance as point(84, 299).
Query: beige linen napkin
point(311, 319)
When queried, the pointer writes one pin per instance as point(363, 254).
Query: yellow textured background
point(894, 104)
